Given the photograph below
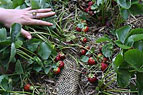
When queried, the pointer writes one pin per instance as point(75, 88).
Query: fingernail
point(53, 12)
point(29, 37)
point(51, 24)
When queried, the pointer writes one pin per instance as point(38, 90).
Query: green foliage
point(44, 51)
point(119, 44)
point(6, 4)
point(3, 34)
point(15, 31)
point(139, 82)
point(35, 56)
point(136, 9)
point(123, 78)
point(17, 3)
point(12, 53)
point(18, 67)
point(122, 33)
point(129, 61)
point(107, 50)
point(134, 58)
point(103, 39)
point(124, 3)
point(19, 50)
point(35, 4)
point(84, 59)
point(117, 62)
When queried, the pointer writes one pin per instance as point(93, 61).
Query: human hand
point(25, 17)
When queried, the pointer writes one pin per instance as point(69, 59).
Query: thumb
point(26, 34)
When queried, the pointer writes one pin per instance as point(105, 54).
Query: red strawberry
point(62, 56)
point(103, 66)
point(85, 29)
point(91, 61)
point(83, 52)
point(56, 70)
point(61, 64)
point(87, 10)
point(92, 78)
point(105, 59)
point(78, 29)
point(57, 58)
point(90, 3)
point(84, 40)
point(87, 47)
point(27, 87)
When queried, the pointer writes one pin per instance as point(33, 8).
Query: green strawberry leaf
point(12, 52)
point(15, 31)
point(18, 67)
point(122, 33)
point(44, 51)
point(134, 57)
point(107, 50)
point(139, 82)
point(3, 34)
point(123, 78)
point(117, 62)
point(126, 4)
point(84, 58)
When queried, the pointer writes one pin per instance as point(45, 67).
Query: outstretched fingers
point(38, 13)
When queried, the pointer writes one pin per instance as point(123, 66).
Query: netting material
point(69, 78)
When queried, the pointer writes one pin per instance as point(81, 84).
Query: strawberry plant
point(15, 51)
point(21, 57)
point(127, 63)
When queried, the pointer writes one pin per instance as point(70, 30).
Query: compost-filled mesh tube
point(69, 78)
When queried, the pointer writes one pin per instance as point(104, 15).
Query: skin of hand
point(25, 17)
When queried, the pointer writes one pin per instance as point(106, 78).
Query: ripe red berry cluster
point(88, 9)
point(60, 64)
point(103, 60)
point(91, 60)
point(84, 29)
point(83, 51)
point(28, 87)
point(92, 78)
